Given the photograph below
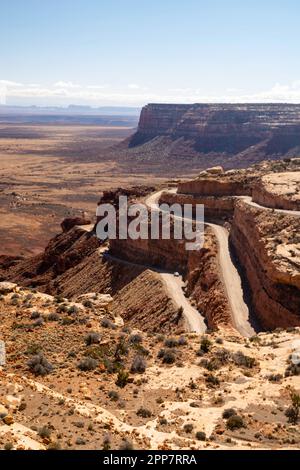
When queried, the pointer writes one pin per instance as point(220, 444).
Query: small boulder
point(3, 411)
point(7, 287)
point(8, 419)
point(215, 170)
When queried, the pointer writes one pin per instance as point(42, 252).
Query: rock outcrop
point(217, 134)
point(215, 208)
point(71, 222)
point(279, 190)
point(267, 247)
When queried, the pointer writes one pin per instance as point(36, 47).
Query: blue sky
point(129, 52)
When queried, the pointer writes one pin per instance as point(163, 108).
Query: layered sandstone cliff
point(228, 134)
point(280, 190)
point(267, 247)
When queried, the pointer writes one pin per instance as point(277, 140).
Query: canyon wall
point(204, 284)
point(279, 191)
point(199, 268)
point(214, 207)
point(209, 134)
point(265, 243)
point(214, 187)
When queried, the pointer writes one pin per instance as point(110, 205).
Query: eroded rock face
point(205, 286)
point(208, 186)
point(214, 207)
point(232, 135)
point(267, 247)
point(71, 222)
point(279, 190)
point(199, 268)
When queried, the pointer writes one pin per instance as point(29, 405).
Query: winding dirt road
point(229, 273)
point(174, 286)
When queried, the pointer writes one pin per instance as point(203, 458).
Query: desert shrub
point(240, 359)
point(92, 338)
point(205, 344)
point(80, 441)
point(235, 422)
point(38, 323)
point(170, 343)
point(73, 310)
point(107, 323)
point(88, 363)
point(33, 348)
point(201, 436)
point(182, 341)
point(228, 412)
point(200, 353)
point(126, 329)
point(39, 365)
point(106, 445)
point(212, 380)
point(122, 378)
point(78, 424)
point(35, 315)
point(22, 406)
point(54, 446)
point(67, 321)
point(219, 341)
point(292, 413)
point(126, 445)
point(167, 355)
point(211, 365)
point(275, 377)
point(53, 317)
point(8, 446)
point(87, 303)
point(62, 308)
point(188, 428)
point(222, 355)
point(218, 400)
point(163, 421)
point(255, 339)
point(292, 369)
point(138, 365)
point(113, 395)
point(144, 412)
point(44, 432)
point(135, 338)
point(140, 349)
point(121, 347)
point(59, 299)
point(160, 338)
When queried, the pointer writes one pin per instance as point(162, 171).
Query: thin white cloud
point(133, 86)
point(97, 87)
point(135, 95)
point(10, 83)
point(63, 84)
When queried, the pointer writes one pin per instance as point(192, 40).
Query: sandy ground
point(46, 175)
point(76, 409)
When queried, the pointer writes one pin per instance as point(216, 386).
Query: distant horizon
point(132, 109)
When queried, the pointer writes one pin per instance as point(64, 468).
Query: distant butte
point(233, 135)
